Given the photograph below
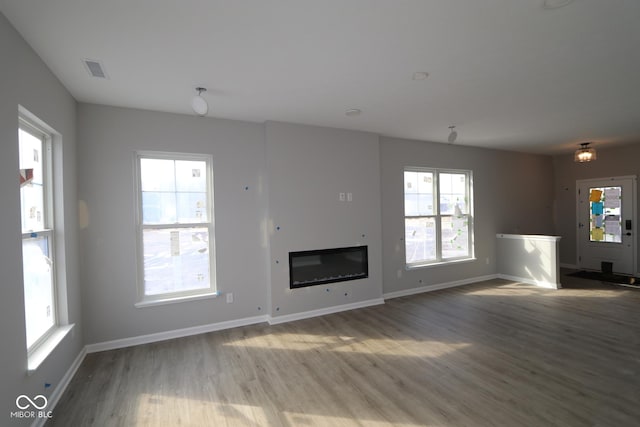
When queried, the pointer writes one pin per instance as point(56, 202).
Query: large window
point(438, 216)
point(175, 219)
point(36, 207)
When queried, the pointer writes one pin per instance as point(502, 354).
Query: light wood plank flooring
point(488, 354)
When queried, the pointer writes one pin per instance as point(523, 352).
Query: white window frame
point(53, 208)
point(48, 229)
point(437, 215)
point(181, 296)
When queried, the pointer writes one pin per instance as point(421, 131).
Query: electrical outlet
point(341, 197)
point(487, 261)
point(349, 197)
point(229, 298)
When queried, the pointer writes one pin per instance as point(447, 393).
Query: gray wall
point(619, 161)
point(512, 193)
point(26, 81)
point(307, 168)
point(109, 138)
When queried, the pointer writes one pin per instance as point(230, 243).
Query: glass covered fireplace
point(308, 268)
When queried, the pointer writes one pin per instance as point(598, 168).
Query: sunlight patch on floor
point(288, 341)
point(522, 289)
point(385, 347)
point(508, 290)
point(296, 419)
point(158, 409)
point(346, 344)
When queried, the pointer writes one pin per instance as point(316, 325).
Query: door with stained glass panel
point(606, 224)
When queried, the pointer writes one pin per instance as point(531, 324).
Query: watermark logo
point(31, 407)
point(25, 402)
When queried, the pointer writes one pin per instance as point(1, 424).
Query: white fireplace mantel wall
point(532, 259)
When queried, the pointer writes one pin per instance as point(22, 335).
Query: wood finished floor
point(488, 354)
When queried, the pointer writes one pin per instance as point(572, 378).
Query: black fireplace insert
point(317, 267)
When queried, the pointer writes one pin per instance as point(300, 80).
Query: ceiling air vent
point(94, 68)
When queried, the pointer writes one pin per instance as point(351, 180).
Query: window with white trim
point(36, 208)
point(175, 226)
point(438, 216)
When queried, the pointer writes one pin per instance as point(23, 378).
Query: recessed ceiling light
point(353, 112)
point(420, 75)
point(555, 4)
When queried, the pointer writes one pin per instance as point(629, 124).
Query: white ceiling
point(508, 73)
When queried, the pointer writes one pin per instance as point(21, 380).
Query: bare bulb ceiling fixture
point(584, 153)
point(453, 135)
point(199, 104)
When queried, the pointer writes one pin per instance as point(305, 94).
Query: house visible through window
point(438, 216)
point(37, 233)
point(175, 226)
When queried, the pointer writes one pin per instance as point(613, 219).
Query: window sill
point(46, 348)
point(173, 300)
point(440, 264)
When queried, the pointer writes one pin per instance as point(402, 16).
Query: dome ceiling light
point(199, 104)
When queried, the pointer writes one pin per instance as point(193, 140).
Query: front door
point(606, 224)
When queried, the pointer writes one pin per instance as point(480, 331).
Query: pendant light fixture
point(584, 153)
point(453, 135)
point(199, 104)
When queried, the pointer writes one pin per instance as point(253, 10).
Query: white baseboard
point(176, 333)
point(438, 286)
point(323, 311)
point(569, 266)
point(59, 390)
point(539, 283)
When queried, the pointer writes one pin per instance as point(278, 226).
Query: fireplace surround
point(317, 267)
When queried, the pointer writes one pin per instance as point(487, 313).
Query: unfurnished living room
point(319, 213)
